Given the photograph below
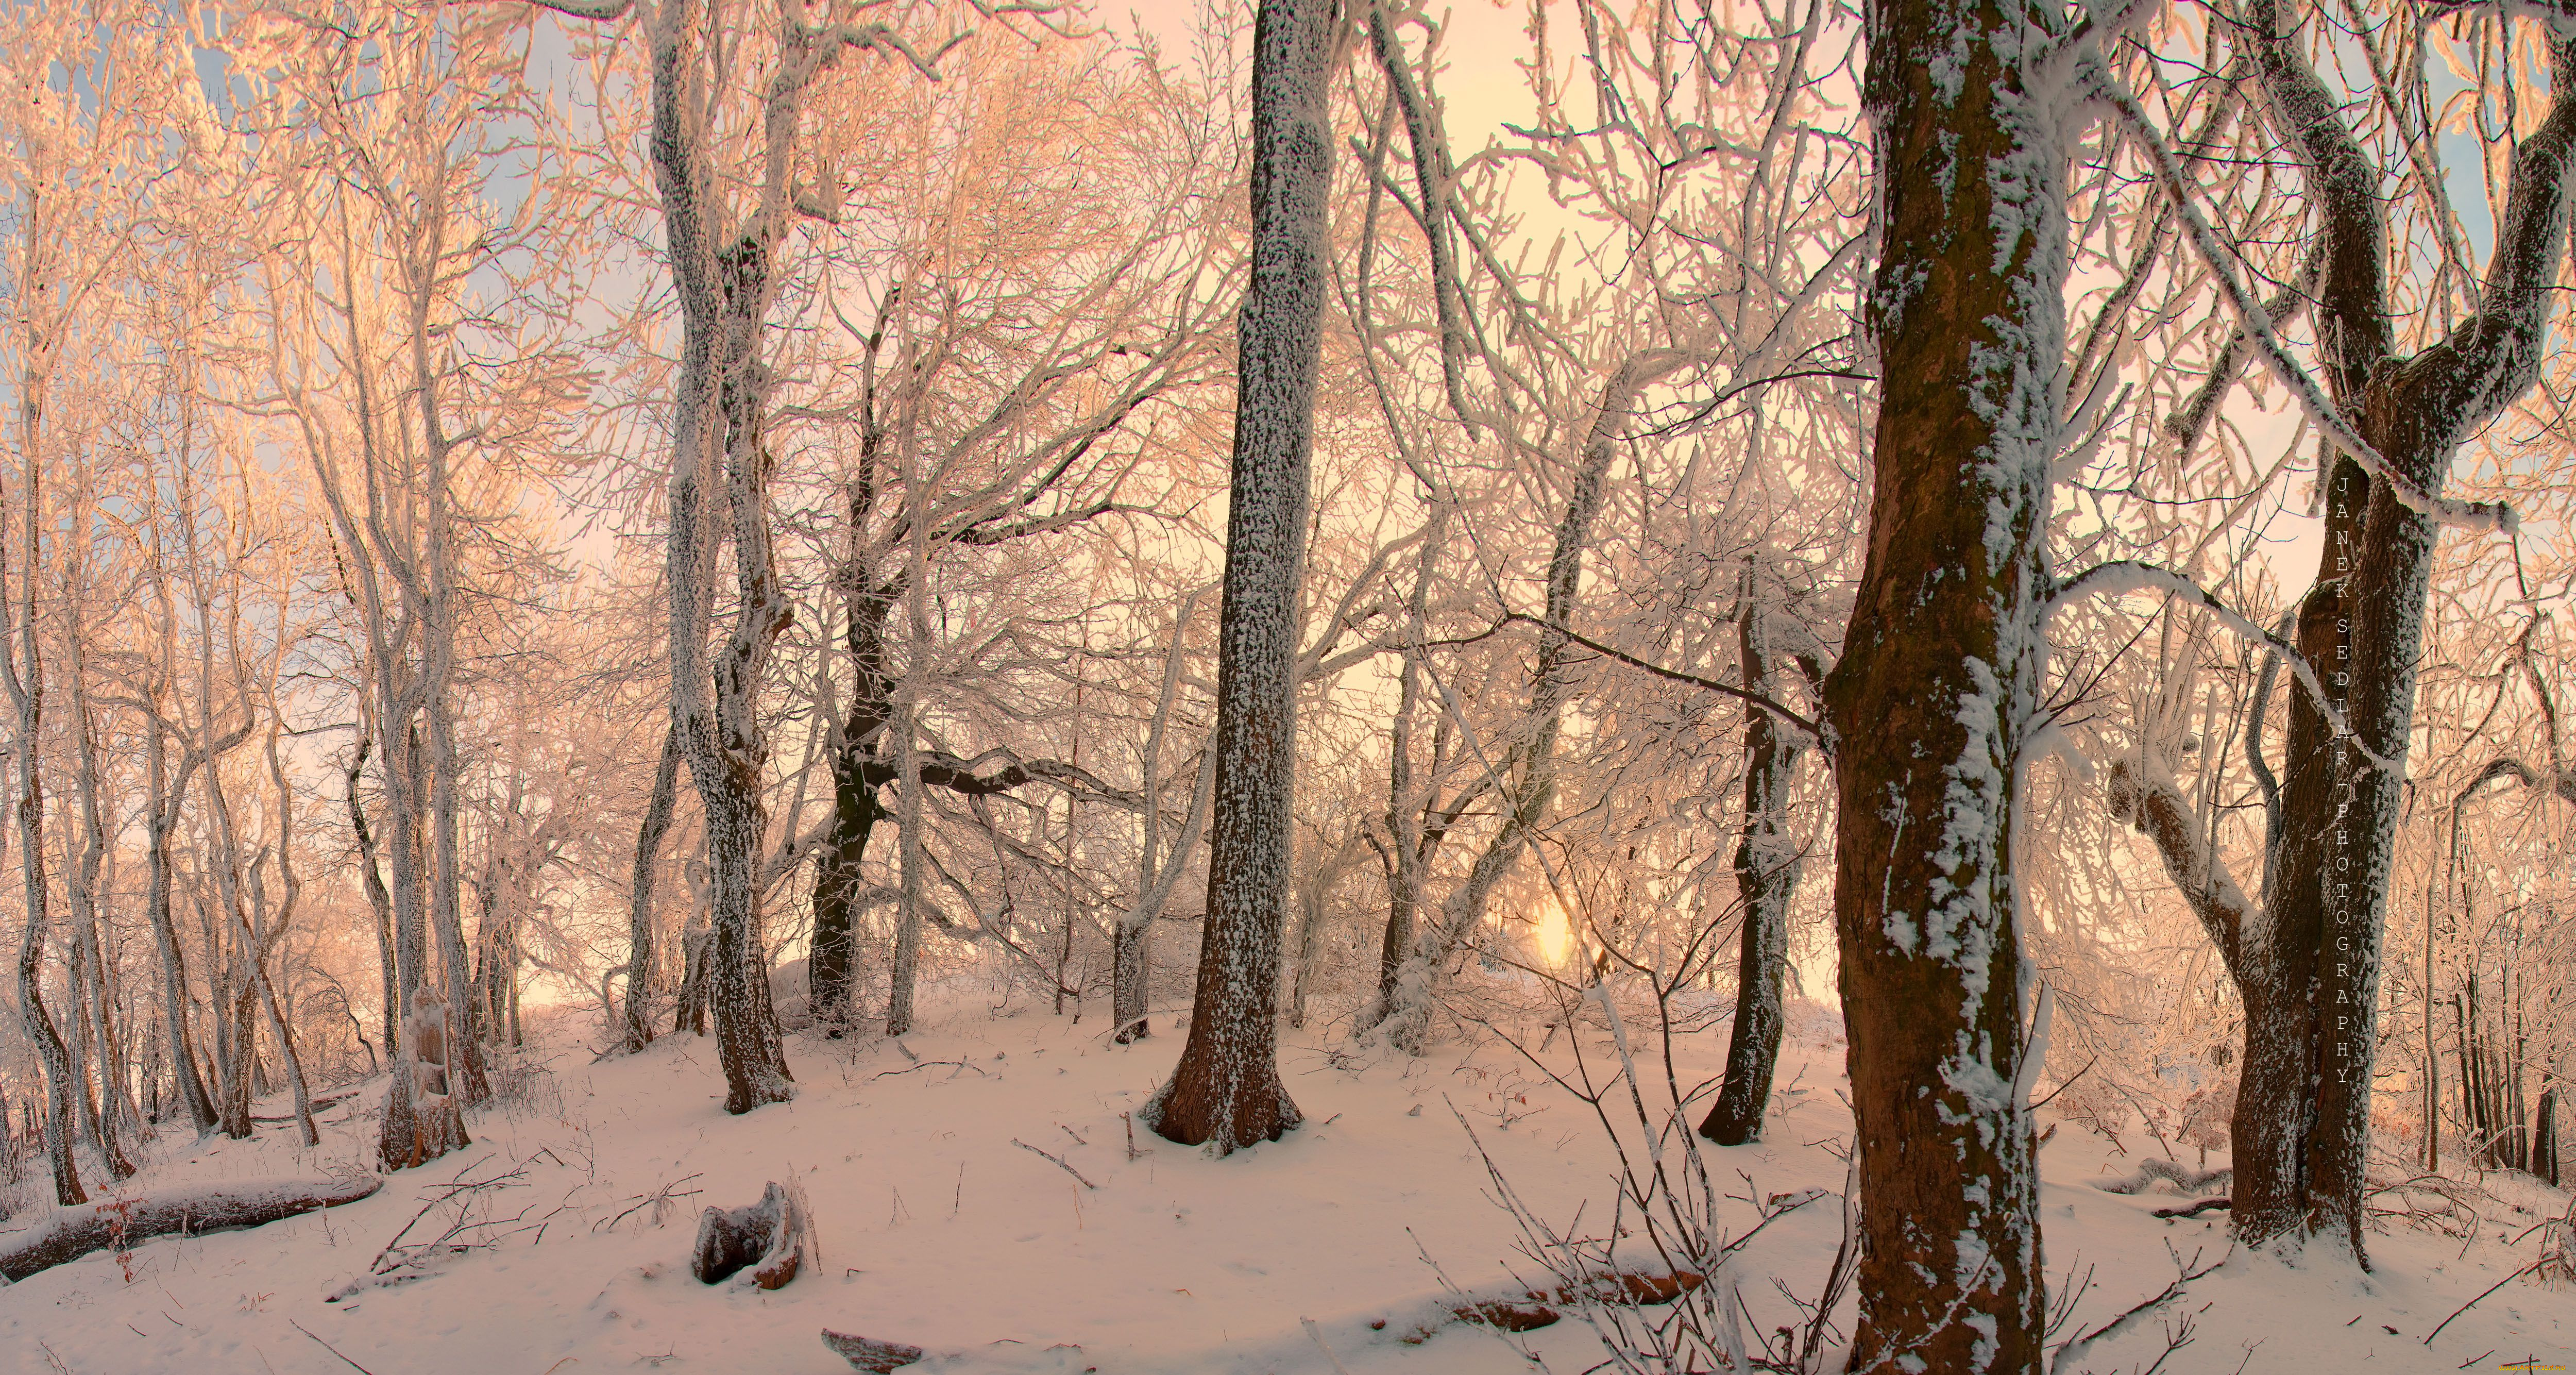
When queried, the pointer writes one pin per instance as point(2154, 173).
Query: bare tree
point(2307, 957)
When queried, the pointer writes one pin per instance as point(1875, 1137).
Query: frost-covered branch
point(2494, 356)
point(1431, 173)
point(1813, 730)
point(2129, 575)
point(2144, 796)
point(2257, 324)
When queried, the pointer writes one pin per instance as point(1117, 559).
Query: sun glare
point(1555, 933)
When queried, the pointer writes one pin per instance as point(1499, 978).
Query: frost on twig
point(2256, 322)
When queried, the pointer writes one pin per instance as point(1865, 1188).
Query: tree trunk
point(164, 817)
point(118, 1122)
point(1407, 853)
point(408, 1136)
point(28, 693)
point(831, 966)
point(1226, 1091)
point(904, 968)
point(1531, 764)
point(1131, 945)
point(1939, 683)
point(638, 1011)
point(2311, 983)
point(472, 1084)
point(2544, 1137)
point(720, 466)
point(1766, 877)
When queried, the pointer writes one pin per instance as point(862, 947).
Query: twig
point(2186, 1274)
point(2070, 1083)
point(2463, 1308)
point(663, 1194)
point(1059, 1161)
point(344, 1356)
point(925, 1064)
point(1317, 1335)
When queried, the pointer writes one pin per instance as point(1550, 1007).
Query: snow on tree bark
point(725, 276)
point(422, 1120)
point(1766, 878)
point(28, 693)
point(1940, 678)
point(637, 1013)
point(1226, 1091)
point(161, 818)
point(75, 1231)
point(2307, 960)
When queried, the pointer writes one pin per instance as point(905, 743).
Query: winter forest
point(1287, 687)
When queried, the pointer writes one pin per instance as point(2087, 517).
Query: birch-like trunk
point(379, 902)
point(28, 694)
point(720, 466)
point(162, 817)
point(1531, 786)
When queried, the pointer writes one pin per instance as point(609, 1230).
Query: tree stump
point(773, 1238)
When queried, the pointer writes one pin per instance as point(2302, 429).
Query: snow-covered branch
point(2144, 796)
point(2257, 325)
point(2129, 575)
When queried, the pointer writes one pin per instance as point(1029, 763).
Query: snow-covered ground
point(936, 1229)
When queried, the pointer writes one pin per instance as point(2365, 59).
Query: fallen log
point(122, 1223)
point(2194, 1209)
point(1532, 1309)
point(2184, 1179)
point(320, 1105)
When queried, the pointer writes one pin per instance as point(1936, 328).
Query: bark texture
point(1766, 878)
point(1939, 681)
point(1226, 1092)
point(2307, 957)
point(73, 1232)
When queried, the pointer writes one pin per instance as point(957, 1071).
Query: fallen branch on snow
point(72, 1233)
point(2196, 1209)
point(320, 1105)
point(869, 1354)
point(2150, 1171)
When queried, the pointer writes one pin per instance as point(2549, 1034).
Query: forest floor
point(936, 1229)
